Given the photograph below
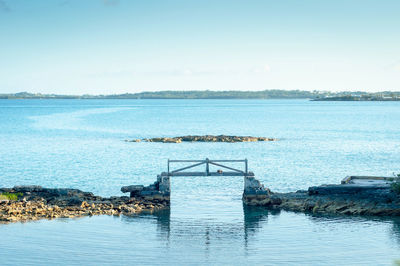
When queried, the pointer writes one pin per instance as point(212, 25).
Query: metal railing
point(207, 162)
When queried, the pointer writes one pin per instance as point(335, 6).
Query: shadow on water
point(162, 218)
point(396, 228)
point(352, 220)
point(254, 217)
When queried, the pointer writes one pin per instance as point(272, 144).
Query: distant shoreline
point(224, 95)
point(360, 98)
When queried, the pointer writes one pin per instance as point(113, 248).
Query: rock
point(159, 190)
point(171, 140)
point(366, 202)
point(209, 138)
point(27, 188)
point(133, 140)
point(346, 189)
point(74, 201)
point(133, 188)
point(344, 199)
point(45, 203)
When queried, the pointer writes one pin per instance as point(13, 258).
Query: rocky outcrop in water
point(159, 190)
point(346, 199)
point(206, 138)
point(35, 202)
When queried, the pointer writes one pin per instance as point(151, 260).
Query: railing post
point(168, 167)
point(207, 167)
point(245, 160)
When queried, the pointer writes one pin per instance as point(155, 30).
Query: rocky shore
point(347, 199)
point(35, 202)
point(206, 138)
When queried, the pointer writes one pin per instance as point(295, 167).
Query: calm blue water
point(80, 144)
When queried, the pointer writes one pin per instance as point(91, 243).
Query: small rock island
point(205, 138)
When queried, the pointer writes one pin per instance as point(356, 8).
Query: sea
point(82, 144)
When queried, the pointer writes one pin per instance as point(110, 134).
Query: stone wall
point(160, 189)
point(254, 192)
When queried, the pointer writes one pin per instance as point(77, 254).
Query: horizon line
point(207, 90)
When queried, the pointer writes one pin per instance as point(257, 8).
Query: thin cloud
point(260, 70)
point(4, 7)
point(397, 66)
point(176, 72)
point(113, 73)
point(188, 72)
point(393, 66)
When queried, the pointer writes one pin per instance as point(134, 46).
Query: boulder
point(132, 188)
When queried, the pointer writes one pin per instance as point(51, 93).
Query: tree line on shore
point(208, 94)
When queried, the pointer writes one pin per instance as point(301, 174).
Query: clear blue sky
point(116, 46)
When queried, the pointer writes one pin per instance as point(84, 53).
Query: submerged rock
point(133, 140)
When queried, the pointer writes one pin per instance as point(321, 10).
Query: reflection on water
point(260, 237)
point(255, 219)
point(164, 222)
point(395, 232)
point(162, 218)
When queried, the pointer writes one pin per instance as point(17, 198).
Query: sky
point(119, 46)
